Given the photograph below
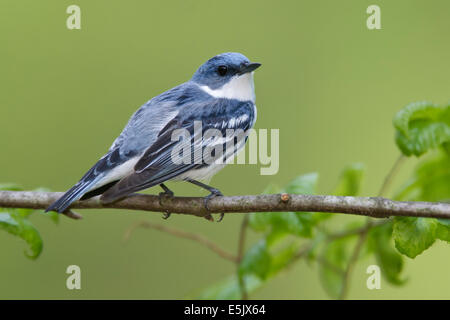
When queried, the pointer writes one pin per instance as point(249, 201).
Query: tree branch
point(376, 207)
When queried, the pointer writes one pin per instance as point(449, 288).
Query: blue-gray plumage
point(220, 96)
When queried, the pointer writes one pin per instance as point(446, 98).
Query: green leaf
point(256, 261)
point(296, 223)
point(332, 266)
point(10, 187)
point(349, 183)
point(264, 263)
point(15, 221)
point(430, 181)
point(304, 184)
point(421, 126)
point(443, 229)
point(259, 221)
point(446, 148)
point(17, 224)
point(414, 235)
point(389, 260)
point(54, 216)
point(282, 258)
point(415, 111)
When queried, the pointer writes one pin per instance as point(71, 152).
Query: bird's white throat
point(239, 87)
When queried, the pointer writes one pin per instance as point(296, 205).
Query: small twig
point(183, 234)
point(330, 265)
point(242, 234)
point(352, 232)
point(390, 176)
point(304, 250)
point(240, 254)
point(353, 259)
point(72, 214)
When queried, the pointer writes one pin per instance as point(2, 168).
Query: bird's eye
point(222, 70)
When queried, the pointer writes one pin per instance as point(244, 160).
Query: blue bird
point(219, 96)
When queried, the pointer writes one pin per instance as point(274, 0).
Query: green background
point(327, 82)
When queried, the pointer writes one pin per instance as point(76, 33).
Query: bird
point(219, 96)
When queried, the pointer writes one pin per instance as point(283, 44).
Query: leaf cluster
point(420, 129)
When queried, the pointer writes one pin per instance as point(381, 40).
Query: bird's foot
point(214, 193)
point(164, 195)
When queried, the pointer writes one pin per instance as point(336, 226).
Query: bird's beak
point(249, 67)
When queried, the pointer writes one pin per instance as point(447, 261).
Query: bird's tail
point(73, 194)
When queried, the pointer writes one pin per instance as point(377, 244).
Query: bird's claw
point(221, 215)
point(214, 193)
point(166, 194)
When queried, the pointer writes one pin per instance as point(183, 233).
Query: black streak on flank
point(98, 191)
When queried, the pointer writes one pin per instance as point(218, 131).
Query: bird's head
point(227, 75)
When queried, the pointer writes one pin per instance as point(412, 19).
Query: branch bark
point(376, 207)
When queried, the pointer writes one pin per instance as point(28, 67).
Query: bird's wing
point(157, 164)
point(140, 132)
